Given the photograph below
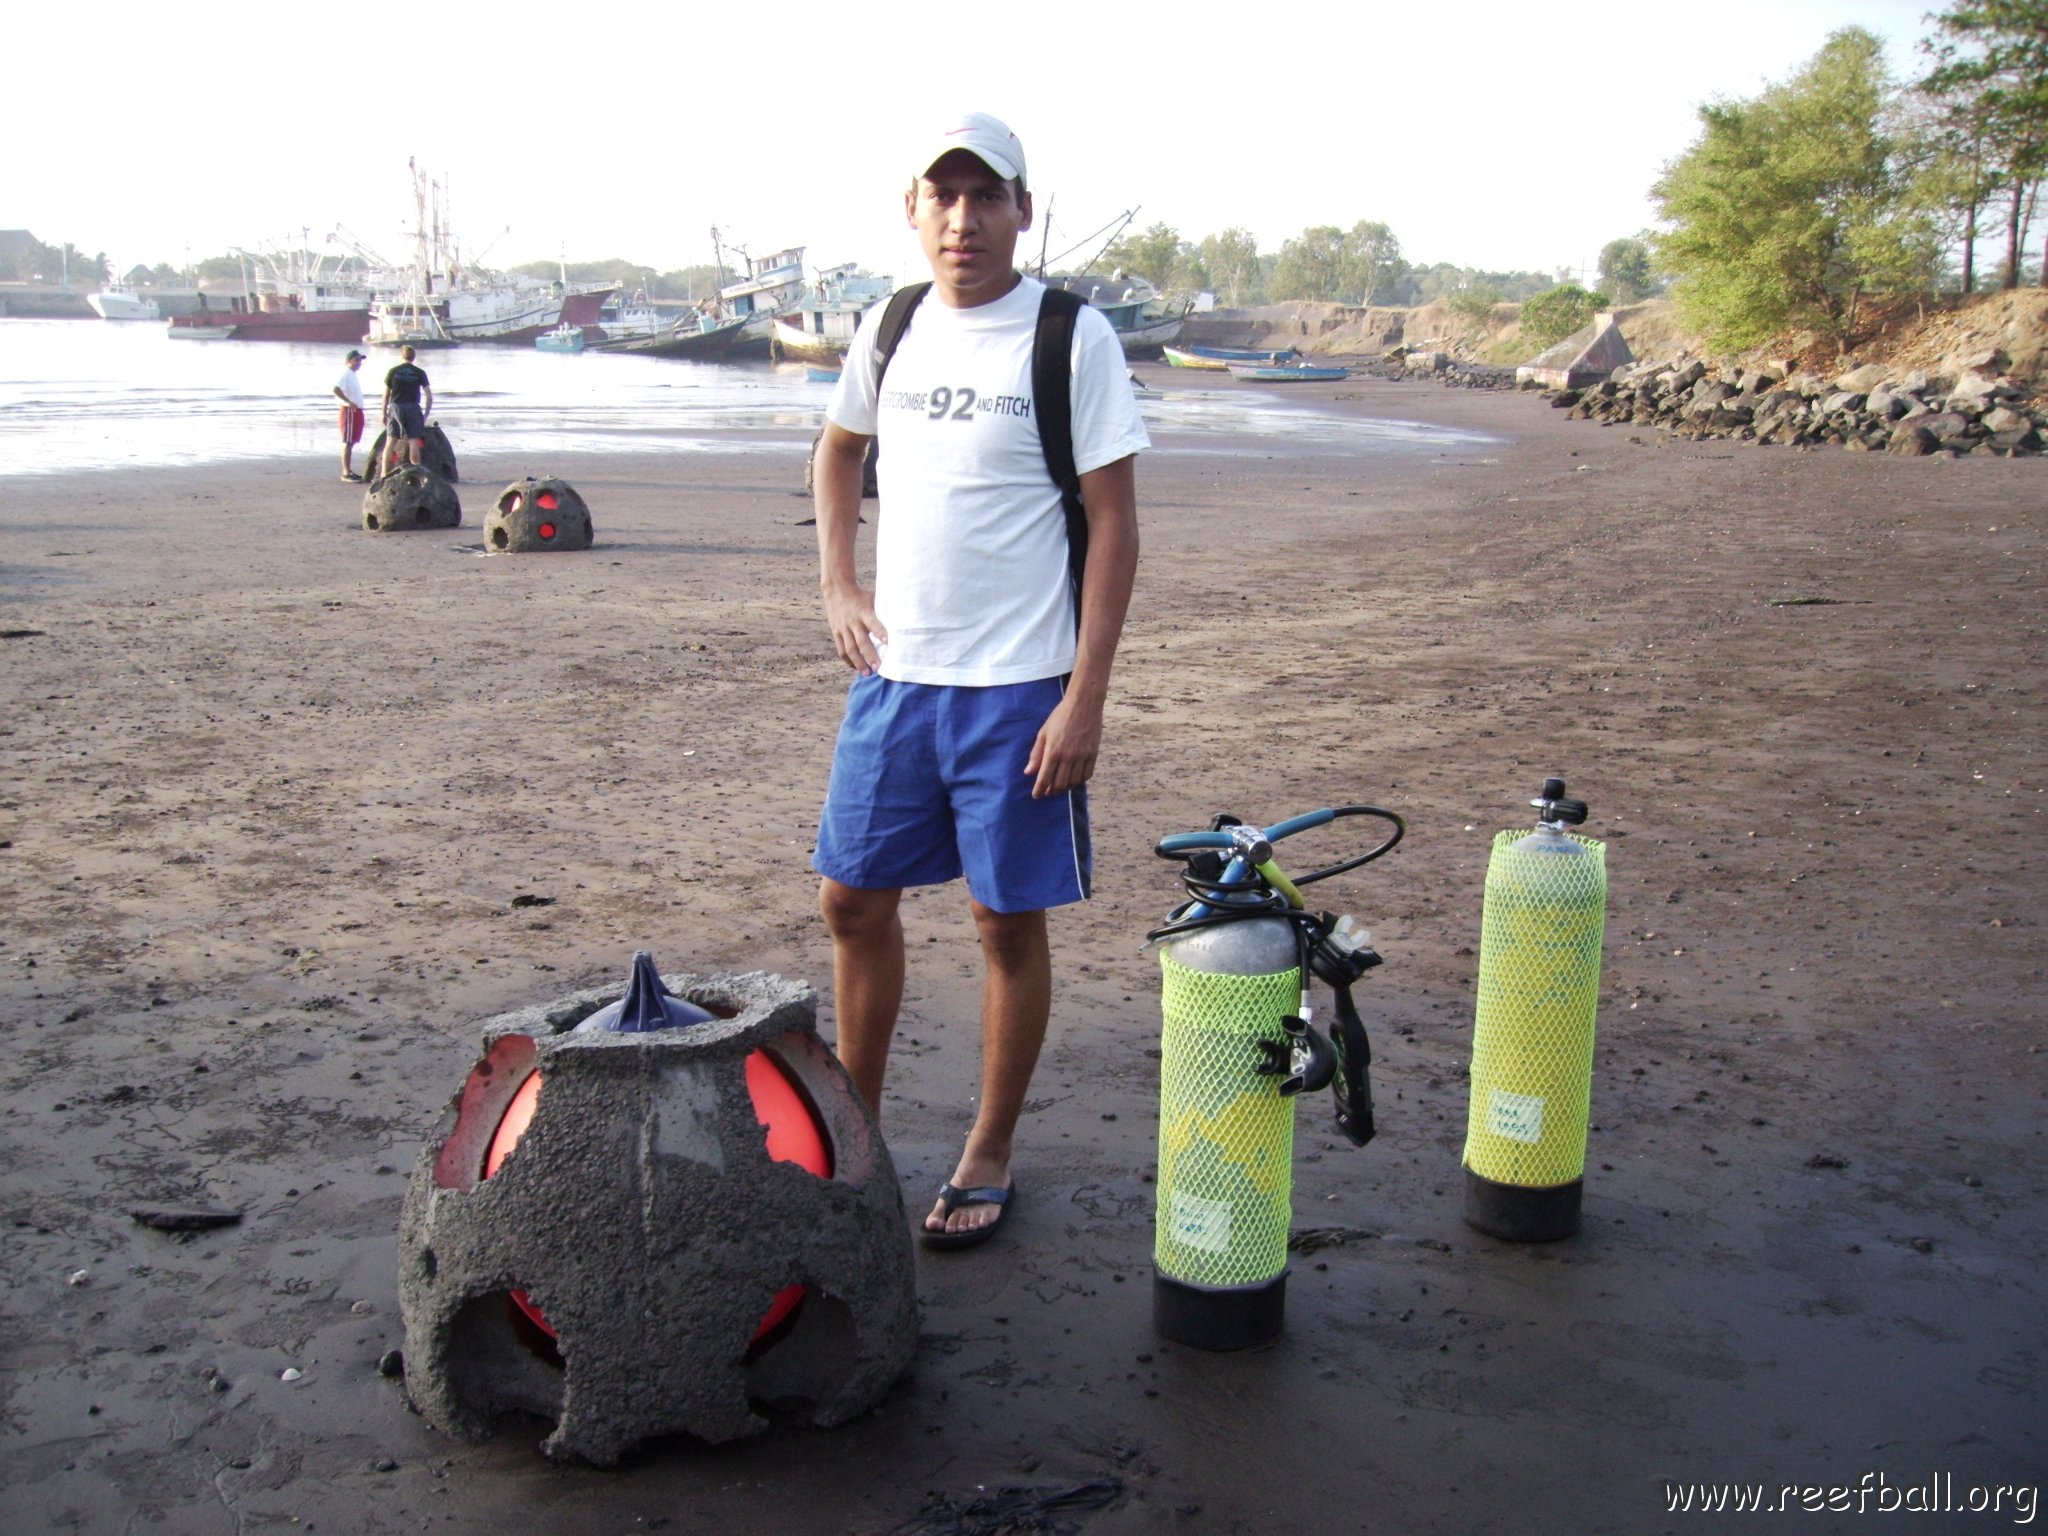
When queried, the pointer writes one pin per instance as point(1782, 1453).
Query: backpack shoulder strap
point(1052, 391)
point(895, 321)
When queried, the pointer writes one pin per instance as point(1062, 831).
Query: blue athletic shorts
point(928, 783)
point(407, 420)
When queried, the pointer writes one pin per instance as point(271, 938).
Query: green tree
point(1625, 270)
point(1311, 265)
point(1231, 261)
point(1556, 312)
point(1372, 261)
point(1991, 77)
point(1152, 255)
point(1790, 207)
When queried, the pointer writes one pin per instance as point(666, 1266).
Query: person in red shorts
point(348, 389)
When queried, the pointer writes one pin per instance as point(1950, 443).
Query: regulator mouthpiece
point(1556, 810)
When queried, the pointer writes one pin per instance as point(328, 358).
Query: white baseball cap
point(986, 138)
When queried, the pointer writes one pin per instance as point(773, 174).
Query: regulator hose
point(1212, 900)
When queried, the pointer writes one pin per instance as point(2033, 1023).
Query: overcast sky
point(1502, 136)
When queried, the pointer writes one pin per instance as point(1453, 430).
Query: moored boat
point(819, 327)
point(820, 373)
point(563, 338)
point(117, 301)
point(288, 296)
point(1144, 319)
point(1219, 359)
point(1287, 373)
point(700, 334)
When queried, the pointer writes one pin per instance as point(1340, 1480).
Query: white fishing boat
point(820, 326)
point(117, 301)
point(440, 298)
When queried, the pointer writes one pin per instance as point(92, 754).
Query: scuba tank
point(1532, 1036)
point(1236, 1049)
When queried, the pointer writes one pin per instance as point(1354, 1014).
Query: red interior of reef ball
point(794, 1136)
point(547, 501)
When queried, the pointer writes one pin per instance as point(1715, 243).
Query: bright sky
point(1503, 136)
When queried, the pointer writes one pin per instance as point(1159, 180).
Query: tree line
point(1361, 265)
point(1842, 185)
point(31, 261)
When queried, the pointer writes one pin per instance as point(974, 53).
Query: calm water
point(93, 394)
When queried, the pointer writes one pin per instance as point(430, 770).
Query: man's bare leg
point(1016, 1004)
point(867, 979)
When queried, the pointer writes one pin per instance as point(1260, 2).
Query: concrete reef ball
point(412, 497)
point(436, 452)
point(535, 515)
point(626, 1266)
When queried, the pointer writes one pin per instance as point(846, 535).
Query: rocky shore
point(1870, 408)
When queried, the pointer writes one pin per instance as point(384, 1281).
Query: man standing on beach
point(975, 716)
point(405, 410)
point(348, 389)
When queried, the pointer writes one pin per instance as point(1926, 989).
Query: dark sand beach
point(274, 788)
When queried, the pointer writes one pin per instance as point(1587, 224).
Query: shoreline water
point(126, 396)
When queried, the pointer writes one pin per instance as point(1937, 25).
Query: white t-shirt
point(351, 384)
point(971, 576)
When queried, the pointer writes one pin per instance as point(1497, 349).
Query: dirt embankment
point(1905, 336)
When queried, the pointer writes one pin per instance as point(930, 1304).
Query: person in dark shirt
point(408, 399)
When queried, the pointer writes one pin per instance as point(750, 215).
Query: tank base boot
point(1519, 1214)
point(1219, 1317)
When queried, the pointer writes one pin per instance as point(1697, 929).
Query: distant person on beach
point(975, 714)
point(348, 389)
point(408, 401)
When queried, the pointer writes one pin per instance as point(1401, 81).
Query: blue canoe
point(1286, 373)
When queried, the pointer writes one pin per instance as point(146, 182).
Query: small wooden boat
point(818, 373)
point(1219, 359)
point(201, 332)
point(1286, 373)
point(563, 338)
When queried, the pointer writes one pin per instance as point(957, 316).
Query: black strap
point(1052, 388)
point(895, 321)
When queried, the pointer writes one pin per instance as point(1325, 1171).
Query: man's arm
point(849, 607)
point(344, 399)
point(426, 401)
point(1063, 756)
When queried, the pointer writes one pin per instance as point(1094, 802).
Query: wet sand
point(274, 786)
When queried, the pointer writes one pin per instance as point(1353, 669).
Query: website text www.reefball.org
point(1872, 1494)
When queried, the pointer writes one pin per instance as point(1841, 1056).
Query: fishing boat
point(626, 320)
point(289, 296)
point(702, 334)
point(1286, 373)
point(202, 328)
point(819, 327)
point(1219, 359)
point(771, 282)
point(820, 373)
point(1143, 318)
point(117, 301)
point(563, 338)
point(441, 298)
